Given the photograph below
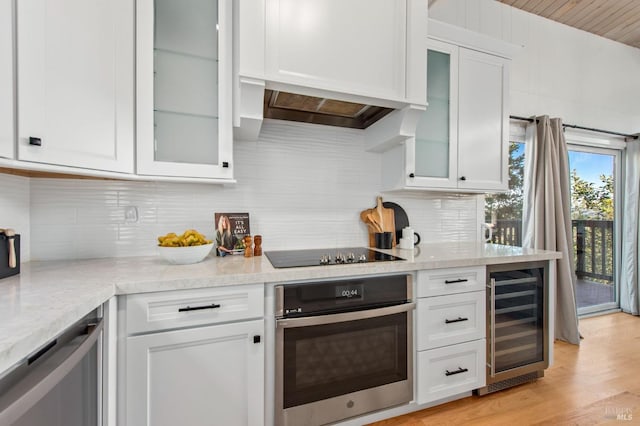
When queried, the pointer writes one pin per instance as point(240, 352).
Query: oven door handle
point(343, 317)
point(44, 377)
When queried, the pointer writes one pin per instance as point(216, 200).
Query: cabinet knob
point(412, 175)
point(225, 164)
point(35, 141)
point(256, 339)
point(463, 178)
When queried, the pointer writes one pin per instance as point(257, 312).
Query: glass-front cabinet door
point(184, 88)
point(435, 154)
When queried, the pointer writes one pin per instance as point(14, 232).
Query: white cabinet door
point(355, 46)
point(6, 79)
point(184, 78)
point(461, 141)
point(433, 153)
point(193, 377)
point(483, 146)
point(75, 83)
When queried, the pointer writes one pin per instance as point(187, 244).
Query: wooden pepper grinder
point(257, 249)
point(248, 249)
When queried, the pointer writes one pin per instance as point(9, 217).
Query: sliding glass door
point(594, 174)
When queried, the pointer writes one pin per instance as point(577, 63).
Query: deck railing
point(507, 232)
point(592, 241)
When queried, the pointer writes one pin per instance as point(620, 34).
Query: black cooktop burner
point(317, 257)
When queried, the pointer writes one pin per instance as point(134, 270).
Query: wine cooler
point(517, 324)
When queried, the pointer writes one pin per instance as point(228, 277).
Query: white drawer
point(451, 370)
point(436, 282)
point(187, 308)
point(451, 319)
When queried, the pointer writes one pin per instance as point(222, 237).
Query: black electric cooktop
point(326, 257)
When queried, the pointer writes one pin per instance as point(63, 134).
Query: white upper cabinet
point(461, 140)
point(356, 46)
point(366, 52)
point(75, 83)
point(184, 71)
point(483, 121)
point(6, 80)
point(433, 153)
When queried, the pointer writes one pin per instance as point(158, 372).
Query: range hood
point(358, 67)
point(385, 122)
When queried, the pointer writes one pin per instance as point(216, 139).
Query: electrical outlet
point(131, 214)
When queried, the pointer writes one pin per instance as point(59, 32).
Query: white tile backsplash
point(14, 210)
point(303, 185)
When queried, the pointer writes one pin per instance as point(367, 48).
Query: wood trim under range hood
point(383, 126)
point(311, 109)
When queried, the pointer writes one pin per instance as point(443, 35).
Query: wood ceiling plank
point(554, 6)
point(630, 36)
point(569, 8)
point(541, 6)
point(618, 20)
point(604, 8)
point(629, 31)
point(531, 4)
point(522, 4)
point(625, 25)
point(584, 8)
point(609, 21)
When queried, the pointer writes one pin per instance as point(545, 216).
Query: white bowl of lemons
point(190, 247)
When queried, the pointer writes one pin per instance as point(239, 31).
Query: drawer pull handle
point(459, 280)
point(198, 308)
point(458, 371)
point(459, 319)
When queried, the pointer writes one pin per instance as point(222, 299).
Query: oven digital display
point(350, 291)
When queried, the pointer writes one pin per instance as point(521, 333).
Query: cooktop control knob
point(351, 257)
point(340, 258)
point(324, 260)
point(362, 258)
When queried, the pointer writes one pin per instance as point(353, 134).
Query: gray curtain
point(629, 259)
point(546, 221)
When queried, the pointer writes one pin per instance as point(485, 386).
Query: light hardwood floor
point(595, 383)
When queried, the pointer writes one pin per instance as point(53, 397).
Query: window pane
point(504, 211)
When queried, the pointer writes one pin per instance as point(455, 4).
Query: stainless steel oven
point(343, 348)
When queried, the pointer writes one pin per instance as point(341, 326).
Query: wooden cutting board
point(388, 221)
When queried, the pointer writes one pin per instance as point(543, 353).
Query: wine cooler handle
point(492, 325)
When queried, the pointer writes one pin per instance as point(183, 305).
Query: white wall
point(563, 72)
point(303, 185)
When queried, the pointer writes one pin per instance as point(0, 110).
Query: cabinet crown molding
point(472, 40)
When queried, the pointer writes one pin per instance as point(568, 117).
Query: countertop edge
point(25, 337)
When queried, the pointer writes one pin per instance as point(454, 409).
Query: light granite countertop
point(47, 297)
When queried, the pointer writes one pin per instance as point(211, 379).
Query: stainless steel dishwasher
point(59, 384)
